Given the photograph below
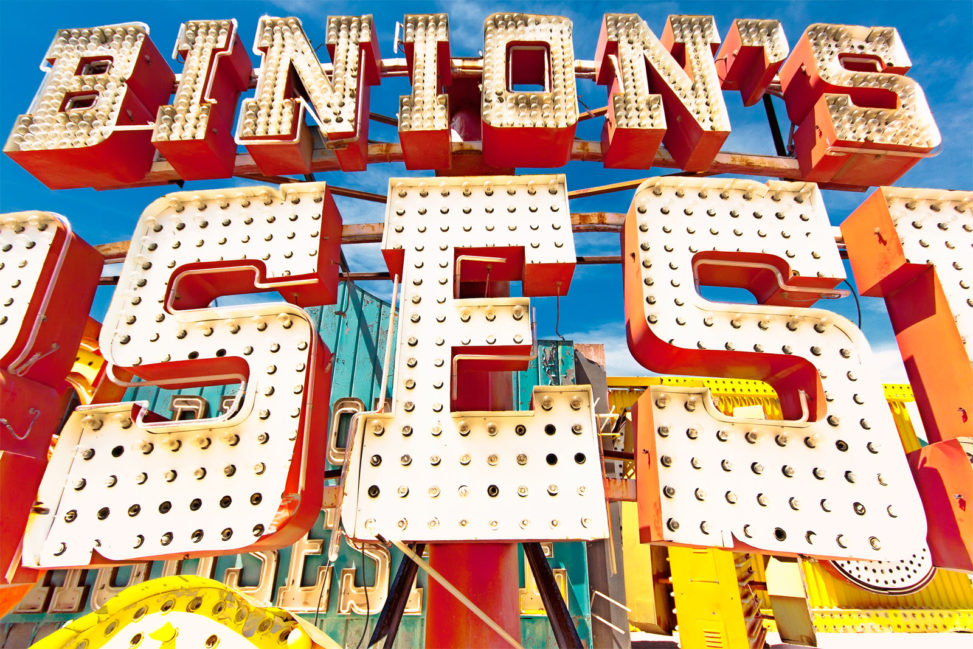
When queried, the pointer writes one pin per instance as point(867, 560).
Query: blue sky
point(936, 35)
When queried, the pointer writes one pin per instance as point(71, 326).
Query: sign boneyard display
point(463, 434)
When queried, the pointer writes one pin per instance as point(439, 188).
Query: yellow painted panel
point(946, 604)
point(714, 606)
point(645, 565)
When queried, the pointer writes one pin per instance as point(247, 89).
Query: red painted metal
point(22, 464)
point(624, 147)
point(815, 140)
point(487, 574)
point(227, 74)
point(932, 349)
point(944, 476)
point(124, 156)
point(33, 395)
point(938, 367)
point(824, 155)
point(750, 69)
point(689, 143)
point(97, 388)
point(511, 136)
point(692, 146)
point(425, 146)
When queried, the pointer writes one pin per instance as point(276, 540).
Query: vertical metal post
point(774, 125)
point(565, 633)
point(485, 572)
point(605, 575)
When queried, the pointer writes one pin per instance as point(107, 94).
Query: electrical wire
point(326, 584)
point(858, 305)
point(342, 312)
point(368, 610)
point(364, 577)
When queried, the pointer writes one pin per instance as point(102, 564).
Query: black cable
point(368, 611)
point(858, 305)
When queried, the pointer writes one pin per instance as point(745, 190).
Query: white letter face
point(832, 478)
point(425, 471)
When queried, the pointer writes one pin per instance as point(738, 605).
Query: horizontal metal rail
point(324, 159)
point(354, 233)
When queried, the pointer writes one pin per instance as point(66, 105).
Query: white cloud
point(888, 364)
point(465, 25)
point(364, 257)
point(618, 358)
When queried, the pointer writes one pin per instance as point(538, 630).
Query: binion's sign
point(109, 102)
point(450, 461)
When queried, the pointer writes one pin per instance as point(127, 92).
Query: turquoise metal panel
point(554, 365)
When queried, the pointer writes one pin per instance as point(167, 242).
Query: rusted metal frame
point(592, 113)
point(595, 260)
point(357, 193)
point(606, 189)
point(323, 159)
point(335, 189)
point(384, 276)
point(597, 221)
point(383, 119)
point(743, 164)
point(618, 455)
point(113, 252)
point(619, 489)
point(352, 233)
point(387, 625)
point(461, 66)
point(565, 633)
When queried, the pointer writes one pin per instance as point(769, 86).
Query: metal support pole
point(565, 633)
point(487, 573)
point(774, 125)
point(388, 622)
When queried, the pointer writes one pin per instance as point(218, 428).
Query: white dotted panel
point(501, 107)
point(898, 577)
point(421, 472)
point(839, 486)
point(425, 109)
point(51, 125)
point(129, 488)
point(284, 47)
point(27, 239)
point(766, 34)
point(936, 228)
point(910, 124)
point(201, 42)
point(639, 47)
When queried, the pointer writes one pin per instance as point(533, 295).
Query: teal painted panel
point(554, 365)
point(356, 331)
